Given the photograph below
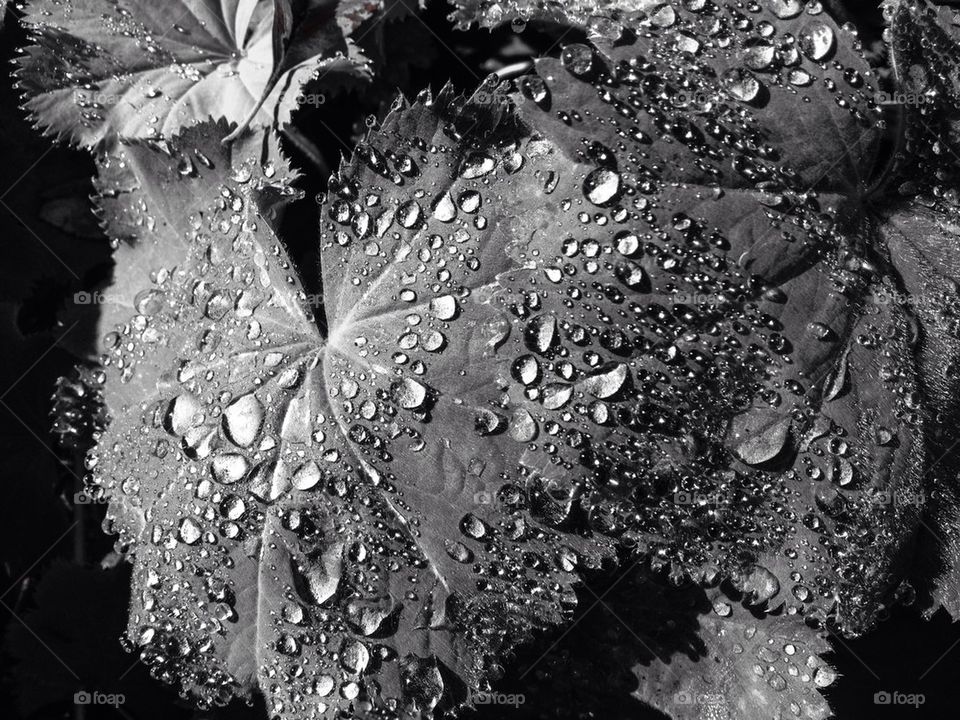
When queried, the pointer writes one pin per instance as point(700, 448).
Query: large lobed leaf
point(315, 516)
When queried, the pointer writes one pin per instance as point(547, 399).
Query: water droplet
point(444, 307)
point(606, 382)
point(307, 476)
point(785, 9)
point(816, 40)
point(741, 84)
point(189, 532)
point(458, 551)
point(601, 186)
point(228, 469)
point(759, 436)
point(354, 657)
point(242, 420)
point(409, 394)
point(577, 59)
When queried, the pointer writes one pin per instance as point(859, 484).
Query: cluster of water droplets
point(77, 410)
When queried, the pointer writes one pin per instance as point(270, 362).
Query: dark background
point(60, 614)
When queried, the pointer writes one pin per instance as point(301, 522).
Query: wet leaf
point(923, 244)
point(102, 70)
point(140, 198)
point(296, 501)
point(739, 665)
point(754, 293)
point(923, 39)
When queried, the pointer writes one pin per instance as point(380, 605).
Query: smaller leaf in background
point(689, 652)
point(138, 69)
point(745, 666)
point(922, 36)
point(71, 214)
point(924, 50)
point(923, 238)
point(302, 31)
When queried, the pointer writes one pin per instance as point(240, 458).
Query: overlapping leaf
point(696, 348)
point(135, 69)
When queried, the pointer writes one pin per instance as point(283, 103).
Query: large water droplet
point(601, 186)
point(242, 420)
point(409, 394)
point(816, 40)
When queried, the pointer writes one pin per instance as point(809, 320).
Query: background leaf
point(140, 70)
